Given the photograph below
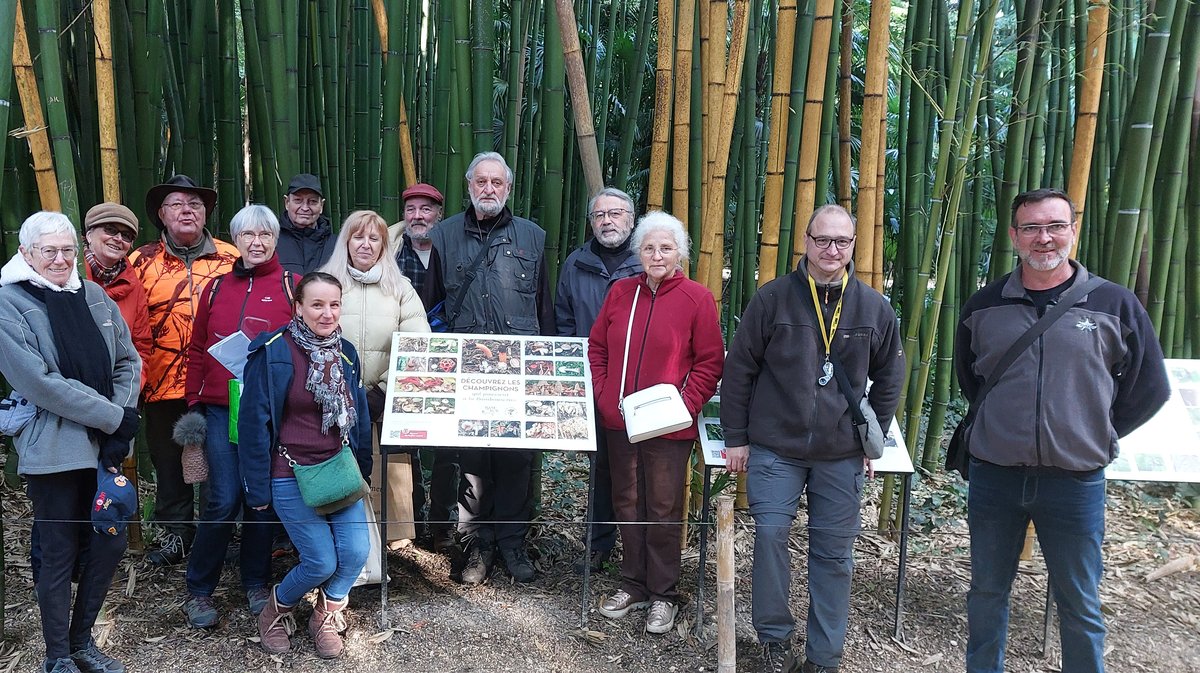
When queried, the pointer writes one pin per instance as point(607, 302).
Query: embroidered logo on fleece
point(1087, 325)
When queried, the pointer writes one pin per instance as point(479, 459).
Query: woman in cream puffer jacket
point(377, 300)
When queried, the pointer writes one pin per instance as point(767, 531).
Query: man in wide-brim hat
point(175, 270)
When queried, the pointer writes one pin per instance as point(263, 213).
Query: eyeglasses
point(310, 201)
point(175, 207)
point(823, 242)
point(1054, 229)
point(666, 250)
point(611, 213)
point(113, 230)
point(249, 236)
point(50, 254)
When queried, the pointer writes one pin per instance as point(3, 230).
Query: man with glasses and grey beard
point(788, 426)
point(489, 266)
point(583, 283)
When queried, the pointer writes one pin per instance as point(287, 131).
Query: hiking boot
point(275, 624)
point(257, 598)
point(171, 550)
point(201, 612)
point(662, 617)
point(91, 660)
point(63, 665)
point(810, 667)
point(779, 658)
point(478, 565)
point(518, 564)
point(599, 558)
point(326, 624)
point(619, 604)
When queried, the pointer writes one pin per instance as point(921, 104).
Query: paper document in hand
point(232, 352)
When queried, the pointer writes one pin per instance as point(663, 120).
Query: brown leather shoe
point(326, 625)
point(275, 624)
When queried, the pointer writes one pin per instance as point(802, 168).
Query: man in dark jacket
point(583, 284)
point(508, 293)
point(1043, 436)
point(788, 425)
point(306, 237)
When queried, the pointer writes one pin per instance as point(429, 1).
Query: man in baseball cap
point(306, 237)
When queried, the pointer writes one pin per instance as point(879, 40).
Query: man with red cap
point(412, 244)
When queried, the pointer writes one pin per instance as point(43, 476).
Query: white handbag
point(655, 411)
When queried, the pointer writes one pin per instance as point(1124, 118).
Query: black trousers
point(604, 535)
point(174, 500)
point(62, 513)
point(496, 502)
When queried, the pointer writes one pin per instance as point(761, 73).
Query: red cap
point(423, 189)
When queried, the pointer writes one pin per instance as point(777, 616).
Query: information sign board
point(1167, 447)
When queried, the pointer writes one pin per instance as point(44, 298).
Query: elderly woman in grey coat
point(65, 347)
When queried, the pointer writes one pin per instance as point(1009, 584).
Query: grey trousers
point(774, 485)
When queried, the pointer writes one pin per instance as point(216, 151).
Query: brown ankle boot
point(275, 624)
point(326, 625)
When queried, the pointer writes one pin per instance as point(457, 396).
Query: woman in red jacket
point(675, 337)
point(109, 232)
point(256, 297)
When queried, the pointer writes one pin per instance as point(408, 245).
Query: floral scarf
point(325, 379)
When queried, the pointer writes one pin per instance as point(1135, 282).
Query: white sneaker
point(619, 604)
point(662, 617)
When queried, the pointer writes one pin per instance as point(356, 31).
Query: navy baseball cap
point(115, 503)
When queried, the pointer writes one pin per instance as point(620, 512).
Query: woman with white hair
point(254, 298)
point(65, 347)
point(673, 333)
point(377, 300)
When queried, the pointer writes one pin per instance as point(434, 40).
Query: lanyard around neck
point(827, 336)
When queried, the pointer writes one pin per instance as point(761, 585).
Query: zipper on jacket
point(1037, 413)
point(637, 375)
point(245, 300)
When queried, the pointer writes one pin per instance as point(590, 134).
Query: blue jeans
point(773, 486)
point(1068, 513)
point(333, 548)
point(224, 501)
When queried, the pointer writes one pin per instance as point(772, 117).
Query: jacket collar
point(667, 285)
point(320, 230)
point(1014, 288)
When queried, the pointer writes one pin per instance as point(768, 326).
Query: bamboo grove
point(739, 116)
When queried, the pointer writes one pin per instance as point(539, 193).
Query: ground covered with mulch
point(1151, 598)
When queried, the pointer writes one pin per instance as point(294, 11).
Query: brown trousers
point(647, 480)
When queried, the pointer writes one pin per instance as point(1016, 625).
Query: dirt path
point(501, 626)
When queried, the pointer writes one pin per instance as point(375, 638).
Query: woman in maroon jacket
point(675, 338)
point(255, 297)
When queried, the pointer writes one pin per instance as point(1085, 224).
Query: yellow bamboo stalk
point(874, 108)
point(1089, 106)
point(712, 261)
point(35, 124)
point(408, 161)
point(876, 280)
point(768, 247)
point(110, 169)
point(660, 143)
point(712, 51)
point(585, 130)
point(681, 126)
point(844, 103)
point(726, 620)
point(810, 132)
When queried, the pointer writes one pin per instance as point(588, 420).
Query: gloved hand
point(129, 425)
point(375, 402)
point(113, 451)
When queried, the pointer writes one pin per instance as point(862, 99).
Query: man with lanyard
point(583, 284)
point(788, 426)
point(1040, 441)
point(489, 267)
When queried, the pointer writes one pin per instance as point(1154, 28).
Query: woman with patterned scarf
point(109, 232)
point(302, 401)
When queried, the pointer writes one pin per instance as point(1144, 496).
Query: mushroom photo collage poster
point(490, 391)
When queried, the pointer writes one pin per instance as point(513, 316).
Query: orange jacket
point(172, 290)
point(130, 296)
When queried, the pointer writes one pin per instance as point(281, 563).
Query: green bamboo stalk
point(518, 37)
point(230, 175)
point(791, 165)
point(8, 17)
point(50, 65)
point(633, 104)
point(553, 106)
point(483, 58)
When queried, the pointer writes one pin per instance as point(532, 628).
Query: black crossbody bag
point(958, 454)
